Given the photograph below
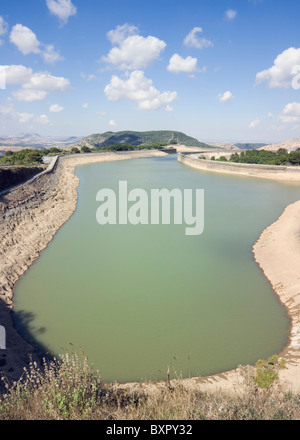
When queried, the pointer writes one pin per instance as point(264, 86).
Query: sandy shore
point(31, 215)
point(277, 252)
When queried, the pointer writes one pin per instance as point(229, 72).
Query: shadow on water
point(22, 321)
point(15, 353)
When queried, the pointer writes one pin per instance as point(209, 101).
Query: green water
point(137, 299)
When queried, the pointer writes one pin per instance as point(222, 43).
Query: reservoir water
point(141, 299)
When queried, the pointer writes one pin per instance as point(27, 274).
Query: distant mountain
point(141, 138)
point(290, 145)
point(34, 140)
point(249, 146)
point(224, 145)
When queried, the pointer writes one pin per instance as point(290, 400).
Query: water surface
point(140, 299)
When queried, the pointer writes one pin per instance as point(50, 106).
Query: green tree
point(85, 149)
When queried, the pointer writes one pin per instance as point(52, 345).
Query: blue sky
point(217, 70)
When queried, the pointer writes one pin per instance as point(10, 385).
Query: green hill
point(141, 138)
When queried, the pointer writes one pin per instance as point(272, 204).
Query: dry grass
point(68, 389)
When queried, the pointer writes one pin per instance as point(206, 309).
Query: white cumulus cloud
point(50, 55)
point(139, 89)
point(225, 97)
point(16, 74)
point(3, 28)
point(282, 73)
point(291, 113)
point(254, 123)
point(9, 112)
point(230, 14)
point(193, 40)
point(112, 123)
point(133, 52)
point(33, 86)
point(27, 42)
point(42, 119)
point(63, 9)
point(178, 64)
point(28, 95)
point(25, 39)
point(116, 36)
point(55, 108)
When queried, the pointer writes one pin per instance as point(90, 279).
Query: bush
point(267, 371)
point(85, 149)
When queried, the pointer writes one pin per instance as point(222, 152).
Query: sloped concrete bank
point(262, 171)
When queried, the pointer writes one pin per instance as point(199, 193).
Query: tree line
point(29, 156)
point(264, 157)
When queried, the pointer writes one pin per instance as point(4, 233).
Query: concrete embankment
point(250, 170)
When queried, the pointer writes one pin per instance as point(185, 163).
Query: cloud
point(16, 74)
point(225, 97)
point(85, 105)
point(9, 112)
point(116, 36)
point(24, 118)
point(230, 14)
point(34, 86)
point(55, 108)
point(177, 64)
point(282, 73)
point(3, 28)
point(28, 95)
point(139, 89)
point(47, 82)
point(90, 77)
point(112, 123)
point(254, 124)
point(26, 41)
point(133, 52)
point(50, 56)
point(63, 9)
point(42, 119)
point(191, 40)
point(291, 113)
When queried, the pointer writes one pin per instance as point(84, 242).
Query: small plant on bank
point(68, 389)
point(267, 371)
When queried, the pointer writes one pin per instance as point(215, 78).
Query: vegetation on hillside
point(28, 156)
point(68, 389)
point(264, 157)
point(35, 156)
point(135, 138)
